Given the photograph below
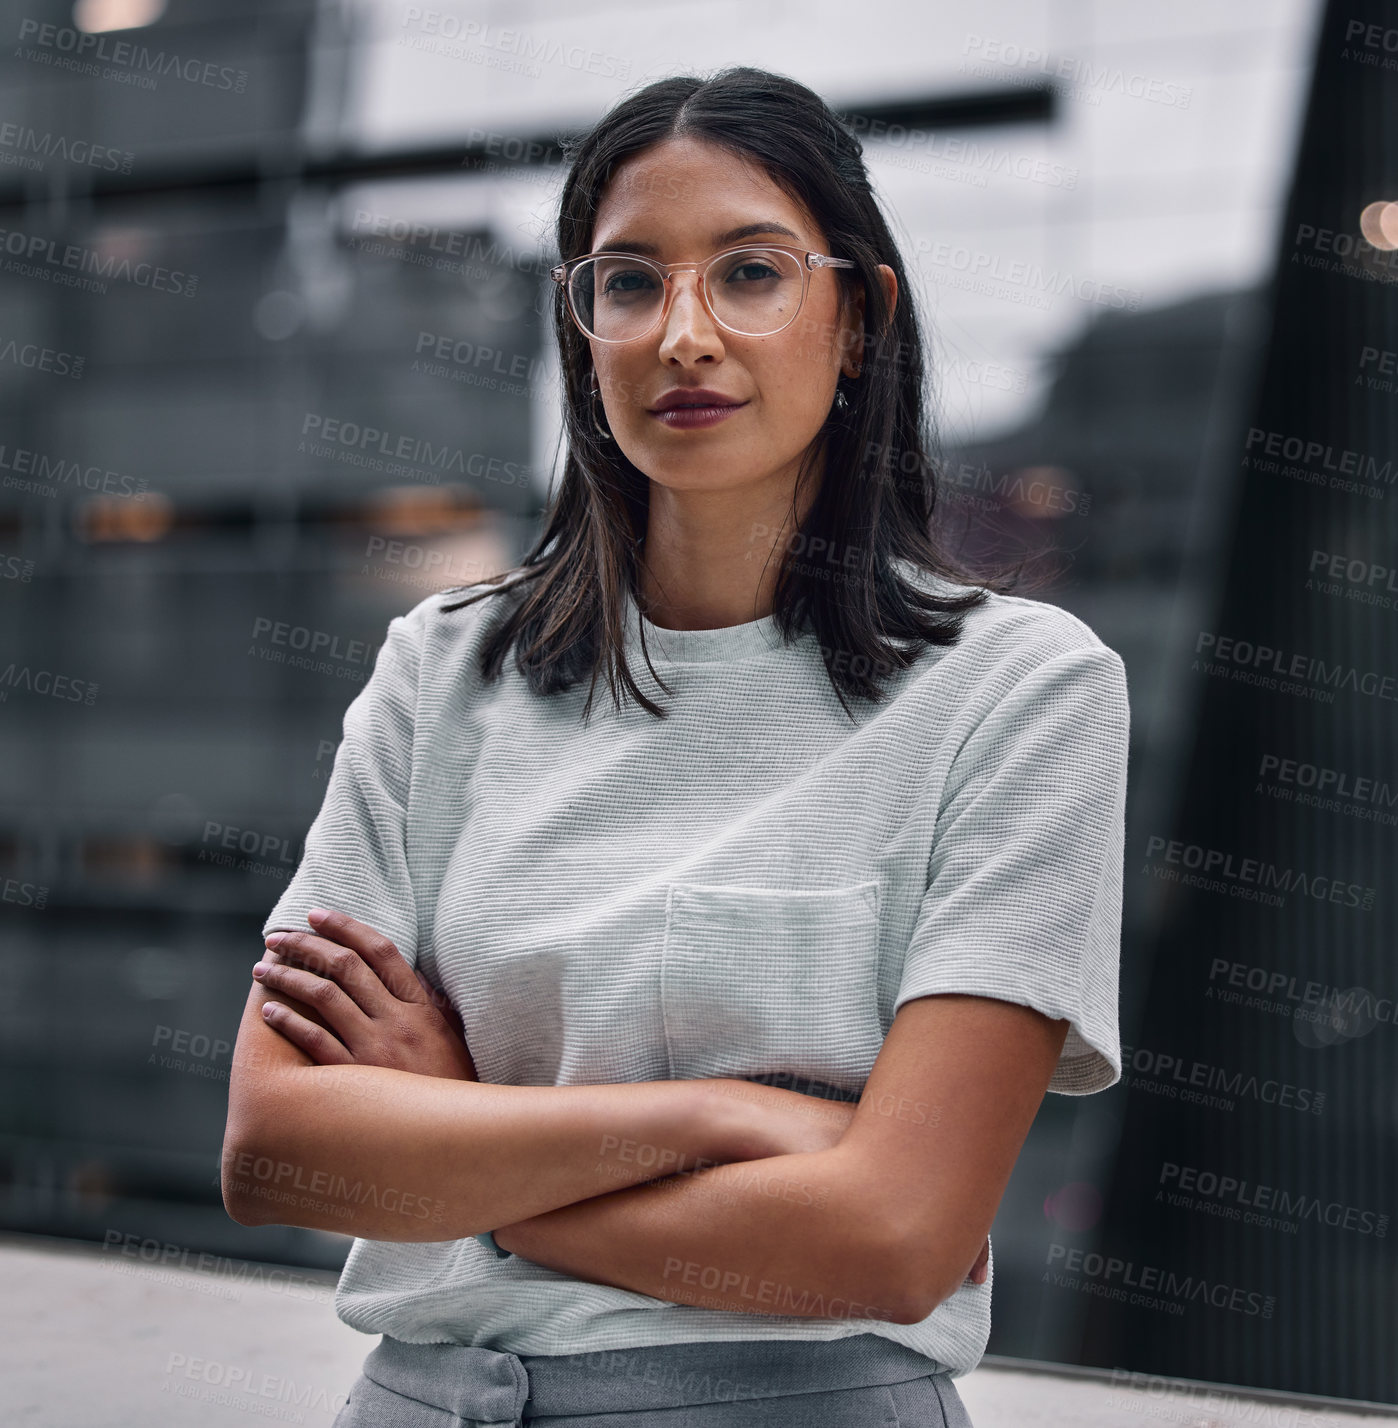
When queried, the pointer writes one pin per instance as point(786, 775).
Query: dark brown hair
point(565, 605)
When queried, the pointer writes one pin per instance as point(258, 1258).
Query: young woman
point(727, 1004)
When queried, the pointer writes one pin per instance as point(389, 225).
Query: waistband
point(491, 1386)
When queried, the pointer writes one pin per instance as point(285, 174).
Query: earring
point(841, 399)
point(597, 426)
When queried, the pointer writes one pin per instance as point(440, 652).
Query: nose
point(688, 333)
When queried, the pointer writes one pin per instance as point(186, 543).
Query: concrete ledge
point(94, 1336)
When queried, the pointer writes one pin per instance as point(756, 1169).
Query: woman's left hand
point(382, 1012)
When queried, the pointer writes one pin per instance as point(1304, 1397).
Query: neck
point(710, 559)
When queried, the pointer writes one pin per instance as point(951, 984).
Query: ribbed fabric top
point(749, 887)
point(701, 646)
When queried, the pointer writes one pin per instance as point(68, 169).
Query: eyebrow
point(733, 235)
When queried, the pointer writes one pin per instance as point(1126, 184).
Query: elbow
point(911, 1306)
point(248, 1165)
point(913, 1302)
point(246, 1169)
point(914, 1282)
point(899, 1291)
point(235, 1177)
point(924, 1285)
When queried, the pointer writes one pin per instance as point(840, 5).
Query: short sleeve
point(355, 858)
point(1023, 901)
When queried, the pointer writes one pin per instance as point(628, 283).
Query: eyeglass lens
point(754, 291)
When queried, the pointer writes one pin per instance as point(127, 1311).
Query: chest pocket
point(756, 980)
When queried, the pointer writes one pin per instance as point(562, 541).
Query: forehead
point(690, 192)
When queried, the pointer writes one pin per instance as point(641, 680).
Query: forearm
point(787, 1234)
point(390, 1155)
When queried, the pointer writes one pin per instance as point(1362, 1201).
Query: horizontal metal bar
point(976, 109)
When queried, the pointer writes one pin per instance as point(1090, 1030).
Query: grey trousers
point(866, 1381)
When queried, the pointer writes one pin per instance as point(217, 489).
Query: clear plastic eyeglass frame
point(562, 274)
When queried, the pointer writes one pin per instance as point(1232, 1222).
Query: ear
point(854, 355)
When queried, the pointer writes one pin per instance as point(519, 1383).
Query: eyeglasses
point(751, 291)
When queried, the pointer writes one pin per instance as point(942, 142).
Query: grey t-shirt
point(750, 887)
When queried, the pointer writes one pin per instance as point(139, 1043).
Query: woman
point(725, 1006)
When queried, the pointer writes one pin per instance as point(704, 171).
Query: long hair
point(565, 608)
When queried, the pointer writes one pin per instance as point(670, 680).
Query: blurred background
point(274, 366)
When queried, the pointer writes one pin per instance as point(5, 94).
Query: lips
point(694, 397)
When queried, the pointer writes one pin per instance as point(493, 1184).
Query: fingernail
point(272, 938)
point(259, 969)
point(316, 916)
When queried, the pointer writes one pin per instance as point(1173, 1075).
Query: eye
point(628, 280)
point(751, 270)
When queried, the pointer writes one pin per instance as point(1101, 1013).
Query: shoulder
point(1011, 642)
point(448, 624)
point(1013, 627)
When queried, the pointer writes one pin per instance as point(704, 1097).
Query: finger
point(314, 1040)
point(378, 951)
point(344, 1015)
point(442, 1002)
point(980, 1270)
point(341, 965)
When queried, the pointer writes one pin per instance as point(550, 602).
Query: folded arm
point(885, 1223)
point(326, 1142)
